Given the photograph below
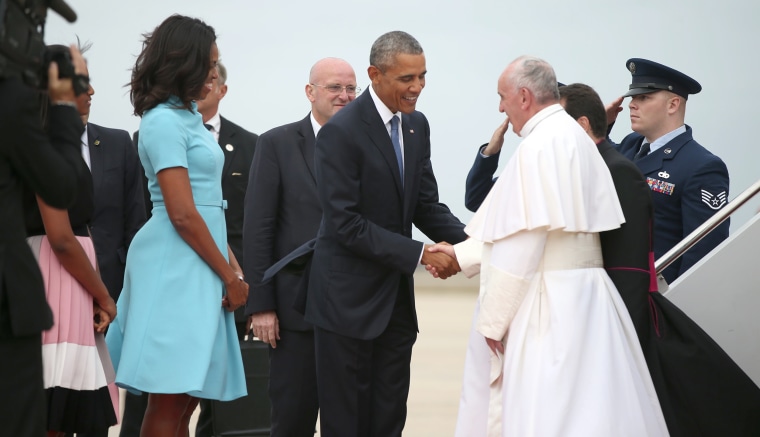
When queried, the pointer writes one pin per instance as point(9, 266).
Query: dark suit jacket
point(689, 184)
point(480, 179)
point(237, 164)
point(146, 194)
point(626, 250)
point(364, 247)
point(47, 165)
point(119, 205)
point(282, 212)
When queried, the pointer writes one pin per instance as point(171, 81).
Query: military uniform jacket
point(688, 184)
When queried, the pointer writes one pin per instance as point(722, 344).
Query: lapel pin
point(229, 147)
point(97, 142)
point(667, 151)
point(411, 131)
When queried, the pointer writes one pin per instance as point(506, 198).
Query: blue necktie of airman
point(397, 147)
point(644, 151)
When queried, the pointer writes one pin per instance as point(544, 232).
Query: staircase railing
point(706, 227)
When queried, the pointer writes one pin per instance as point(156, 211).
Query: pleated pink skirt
point(78, 374)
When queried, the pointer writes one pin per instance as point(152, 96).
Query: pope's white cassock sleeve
point(509, 265)
point(507, 276)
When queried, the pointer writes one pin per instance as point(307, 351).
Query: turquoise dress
point(171, 334)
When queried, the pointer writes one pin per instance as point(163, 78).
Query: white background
point(269, 46)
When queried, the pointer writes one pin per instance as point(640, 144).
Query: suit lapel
point(412, 135)
point(226, 138)
point(97, 157)
point(306, 144)
point(380, 137)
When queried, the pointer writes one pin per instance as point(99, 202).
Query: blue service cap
point(648, 77)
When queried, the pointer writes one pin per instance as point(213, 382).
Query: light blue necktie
point(397, 147)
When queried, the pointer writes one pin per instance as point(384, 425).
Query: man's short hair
point(536, 75)
point(581, 100)
point(387, 46)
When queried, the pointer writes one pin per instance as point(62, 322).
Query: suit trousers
point(293, 385)
point(364, 384)
point(23, 406)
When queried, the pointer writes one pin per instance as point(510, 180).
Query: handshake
point(440, 260)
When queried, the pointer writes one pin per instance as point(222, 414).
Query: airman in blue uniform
point(689, 184)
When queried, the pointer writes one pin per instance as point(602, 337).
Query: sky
point(269, 47)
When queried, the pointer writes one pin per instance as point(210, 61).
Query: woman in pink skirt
point(77, 370)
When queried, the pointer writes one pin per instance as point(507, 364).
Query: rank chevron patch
point(714, 201)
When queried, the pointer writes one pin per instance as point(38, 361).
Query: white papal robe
point(572, 364)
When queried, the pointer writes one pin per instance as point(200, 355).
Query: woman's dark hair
point(175, 60)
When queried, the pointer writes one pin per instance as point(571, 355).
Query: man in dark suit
point(238, 146)
point(46, 164)
point(374, 180)
point(688, 183)
point(282, 212)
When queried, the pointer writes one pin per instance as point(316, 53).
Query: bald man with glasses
point(282, 212)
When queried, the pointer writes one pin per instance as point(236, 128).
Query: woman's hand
point(237, 294)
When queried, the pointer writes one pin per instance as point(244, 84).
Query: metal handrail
point(704, 229)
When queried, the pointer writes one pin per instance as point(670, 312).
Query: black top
point(80, 213)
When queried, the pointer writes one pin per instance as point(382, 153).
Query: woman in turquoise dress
point(174, 336)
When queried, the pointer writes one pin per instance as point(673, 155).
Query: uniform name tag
point(659, 186)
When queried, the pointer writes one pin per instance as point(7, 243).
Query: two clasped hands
point(440, 260)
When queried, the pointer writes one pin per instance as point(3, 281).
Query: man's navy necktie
point(644, 151)
point(397, 147)
point(208, 126)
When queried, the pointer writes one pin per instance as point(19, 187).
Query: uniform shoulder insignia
point(714, 201)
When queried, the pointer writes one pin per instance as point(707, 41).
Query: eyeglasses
point(337, 89)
